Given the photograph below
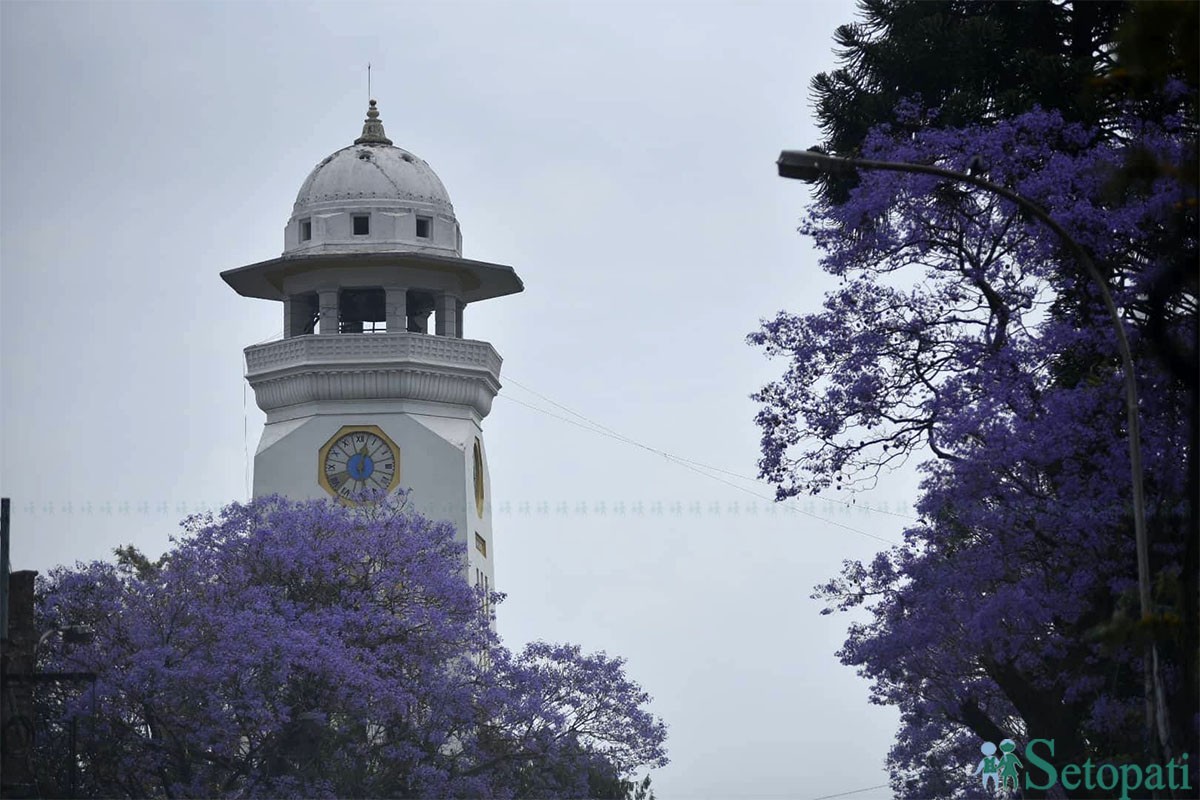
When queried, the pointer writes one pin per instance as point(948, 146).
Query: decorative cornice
point(477, 280)
point(391, 366)
point(310, 202)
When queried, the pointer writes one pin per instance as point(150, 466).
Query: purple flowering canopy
point(309, 650)
point(965, 335)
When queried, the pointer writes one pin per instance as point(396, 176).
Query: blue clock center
point(360, 467)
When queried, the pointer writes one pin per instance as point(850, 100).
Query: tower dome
point(372, 197)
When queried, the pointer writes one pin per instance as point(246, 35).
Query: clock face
point(478, 459)
point(359, 459)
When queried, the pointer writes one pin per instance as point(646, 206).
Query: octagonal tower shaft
point(373, 385)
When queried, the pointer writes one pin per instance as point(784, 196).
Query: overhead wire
point(694, 466)
point(852, 791)
point(246, 414)
point(673, 457)
point(592, 425)
point(245, 440)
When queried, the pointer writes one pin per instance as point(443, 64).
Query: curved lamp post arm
point(810, 165)
point(72, 634)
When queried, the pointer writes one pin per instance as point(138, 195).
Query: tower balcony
point(373, 366)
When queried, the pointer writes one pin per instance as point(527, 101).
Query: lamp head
point(78, 634)
point(809, 165)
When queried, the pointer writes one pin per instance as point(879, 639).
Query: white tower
point(359, 394)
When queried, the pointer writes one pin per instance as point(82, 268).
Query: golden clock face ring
point(357, 460)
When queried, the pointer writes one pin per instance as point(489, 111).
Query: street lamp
point(810, 165)
point(72, 634)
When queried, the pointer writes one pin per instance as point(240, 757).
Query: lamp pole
point(810, 165)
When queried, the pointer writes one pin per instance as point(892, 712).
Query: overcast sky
point(619, 156)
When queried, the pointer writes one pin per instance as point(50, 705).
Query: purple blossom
point(962, 334)
point(304, 649)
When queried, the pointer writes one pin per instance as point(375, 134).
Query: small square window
point(362, 225)
point(424, 225)
point(481, 545)
point(305, 230)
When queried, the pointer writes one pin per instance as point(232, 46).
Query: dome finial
point(372, 132)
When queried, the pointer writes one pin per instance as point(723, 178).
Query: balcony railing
point(352, 367)
point(368, 349)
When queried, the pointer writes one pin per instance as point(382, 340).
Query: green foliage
point(973, 61)
point(134, 562)
point(1158, 41)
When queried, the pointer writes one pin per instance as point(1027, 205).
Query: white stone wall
point(436, 463)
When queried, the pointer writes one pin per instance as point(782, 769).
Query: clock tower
point(373, 386)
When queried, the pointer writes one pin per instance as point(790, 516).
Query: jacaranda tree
point(964, 335)
point(307, 649)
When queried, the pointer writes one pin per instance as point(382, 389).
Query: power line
point(604, 430)
point(246, 415)
point(245, 440)
point(852, 791)
point(685, 463)
point(614, 434)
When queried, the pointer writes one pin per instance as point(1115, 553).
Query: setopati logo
point(1001, 771)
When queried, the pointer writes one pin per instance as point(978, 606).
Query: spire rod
point(372, 132)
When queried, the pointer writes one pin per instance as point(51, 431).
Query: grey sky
point(618, 155)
